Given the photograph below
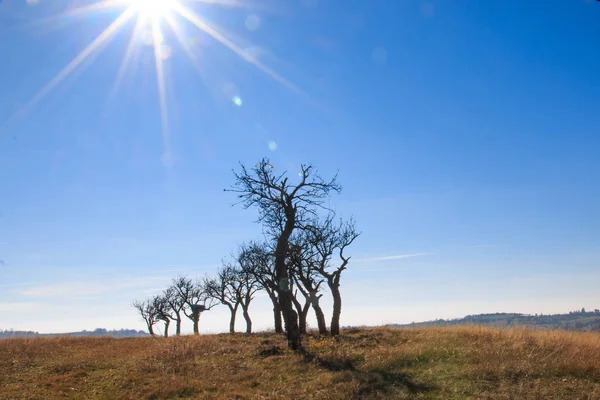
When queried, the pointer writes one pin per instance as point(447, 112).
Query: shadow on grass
point(370, 381)
point(381, 381)
point(271, 351)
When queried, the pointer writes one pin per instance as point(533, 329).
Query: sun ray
point(104, 37)
point(230, 3)
point(90, 8)
point(205, 27)
point(162, 97)
point(132, 46)
point(81, 10)
point(179, 35)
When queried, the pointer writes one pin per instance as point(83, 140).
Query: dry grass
point(431, 363)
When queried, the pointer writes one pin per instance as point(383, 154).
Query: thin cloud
point(18, 284)
point(395, 257)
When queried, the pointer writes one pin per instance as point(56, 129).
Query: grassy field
point(430, 363)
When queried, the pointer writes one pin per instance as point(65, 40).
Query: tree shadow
point(371, 380)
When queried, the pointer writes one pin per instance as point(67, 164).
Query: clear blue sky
point(466, 134)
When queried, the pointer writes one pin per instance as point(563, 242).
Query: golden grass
point(430, 363)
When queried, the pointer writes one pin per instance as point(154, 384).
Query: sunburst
point(153, 16)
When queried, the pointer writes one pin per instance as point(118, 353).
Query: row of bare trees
point(183, 298)
point(304, 252)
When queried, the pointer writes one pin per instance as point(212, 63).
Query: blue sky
point(466, 135)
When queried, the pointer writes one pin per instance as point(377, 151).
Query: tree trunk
point(337, 309)
point(284, 292)
point(290, 318)
point(304, 314)
point(178, 326)
point(301, 315)
point(233, 311)
point(276, 313)
point(247, 319)
point(167, 323)
point(319, 314)
point(150, 329)
point(196, 319)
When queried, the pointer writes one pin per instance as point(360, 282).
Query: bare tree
point(258, 260)
point(283, 207)
point(148, 313)
point(304, 263)
point(328, 238)
point(196, 299)
point(176, 304)
point(225, 290)
point(301, 310)
point(163, 311)
point(248, 285)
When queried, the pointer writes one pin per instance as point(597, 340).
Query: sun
point(161, 19)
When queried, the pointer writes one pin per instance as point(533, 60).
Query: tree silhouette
point(304, 261)
point(163, 311)
point(195, 297)
point(148, 313)
point(225, 289)
point(327, 238)
point(258, 260)
point(283, 207)
point(176, 303)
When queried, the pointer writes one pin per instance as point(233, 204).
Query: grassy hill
point(575, 321)
point(430, 363)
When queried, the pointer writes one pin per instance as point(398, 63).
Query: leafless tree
point(258, 260)
point(304, 264)
point(283, 207)
point(248, 284)
point(225, 289)
point(148, 313)
point(328, 238)
point(163, 311)
point(235, 287)
point(301, 309)
point(195, 297)
point(176, 303)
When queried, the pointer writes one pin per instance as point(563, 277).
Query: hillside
point(432, 363)
point(574, 321)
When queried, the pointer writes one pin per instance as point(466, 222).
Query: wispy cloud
point(395, 257)
point(18, 284)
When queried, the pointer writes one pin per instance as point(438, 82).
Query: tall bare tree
point(258, 260)
point(283, 207)
point(148, 313)
point(328, 238)
point(195, 297)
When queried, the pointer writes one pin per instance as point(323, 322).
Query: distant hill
point(96, 332)
point(575, 320)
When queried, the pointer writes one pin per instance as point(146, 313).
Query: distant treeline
point(5, 334)
point(580, 320)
